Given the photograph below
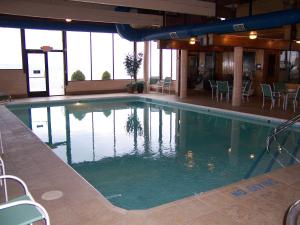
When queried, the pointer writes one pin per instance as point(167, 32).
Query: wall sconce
point(192, 41)
point(298, 41)
point(253, 35)
point(68, 20)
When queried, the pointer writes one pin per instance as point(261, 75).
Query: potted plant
point(106, 76)
point(77, 76)
point(140, 86)
point(132, 64)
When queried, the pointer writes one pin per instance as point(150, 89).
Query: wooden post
point(146, 66)
point(183, 73)
point(237, 76)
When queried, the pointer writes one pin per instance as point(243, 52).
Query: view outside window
point(154, 59)
point(166, 63)
point(102, 55)
point(121, 48)
point(35, 39)
point(289, 66)
point(79, 57)
point(10, 45)
point(140, 49)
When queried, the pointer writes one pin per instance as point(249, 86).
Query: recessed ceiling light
point(68, 20)
point(192, 41)
point(253, 35)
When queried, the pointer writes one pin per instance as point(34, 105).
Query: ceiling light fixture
point(253, 35)
point(68, 20)
point(192, 41)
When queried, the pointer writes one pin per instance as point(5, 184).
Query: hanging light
point(253, 35)
point(192, 41)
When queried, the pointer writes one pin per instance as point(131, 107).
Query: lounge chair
point(22, 209)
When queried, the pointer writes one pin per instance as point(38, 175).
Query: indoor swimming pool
point(140, 154)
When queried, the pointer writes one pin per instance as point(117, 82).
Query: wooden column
point(237, 76)
point(146, 65)
point(177, 73)
point(183, 73)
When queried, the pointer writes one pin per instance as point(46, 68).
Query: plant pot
point(140, 87)
point(130, 89)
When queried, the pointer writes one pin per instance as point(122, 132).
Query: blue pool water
point(141, 155)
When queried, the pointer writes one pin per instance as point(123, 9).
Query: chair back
point(153, 80)
point(212, 83)
point(266, 90)
point(222, 86)
point(279, 87)
point(167, 81)
point(247, 87)
point(297, 96)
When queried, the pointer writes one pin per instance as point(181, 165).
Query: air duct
point(34, 23)
point(249, 23)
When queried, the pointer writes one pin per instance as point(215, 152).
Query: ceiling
point(147, 13)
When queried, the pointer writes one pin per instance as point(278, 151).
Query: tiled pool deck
point(262, 200)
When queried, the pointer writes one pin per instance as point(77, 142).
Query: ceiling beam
point(76, 12)
point(228, 42)
point(194, 7)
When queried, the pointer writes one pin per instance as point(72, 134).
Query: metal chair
point(213, 86)
point(223, 88)
point(166, 83)
point(296, 98)
point(22, 209)
point(269, 94)
point(246, 90)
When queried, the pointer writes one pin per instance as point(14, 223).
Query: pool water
point(140, 155)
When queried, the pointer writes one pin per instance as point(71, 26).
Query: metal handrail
point(293, 213)
point(280, 128)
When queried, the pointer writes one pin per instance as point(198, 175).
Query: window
point(102, 55)
point(140, 49)
point(79, 55)
point(174, 64)
point(37, 38)
point(11, 51)
point(154, 60)
point(121, 48)
point(166, 63)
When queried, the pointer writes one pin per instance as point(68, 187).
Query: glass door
point(56, 73)
point(37, 74)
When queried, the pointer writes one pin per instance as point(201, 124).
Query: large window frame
point(159, 59)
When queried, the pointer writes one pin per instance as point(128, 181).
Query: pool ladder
point(294, 210)
point(278, 130)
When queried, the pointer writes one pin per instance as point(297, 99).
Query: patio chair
point(166, 83)
point(213, 86)
point(223, 88)
point(268, 94)
point(22, 209)
point(246, 90)
point(4, 97)
point(278, 89)
point(296, 98)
